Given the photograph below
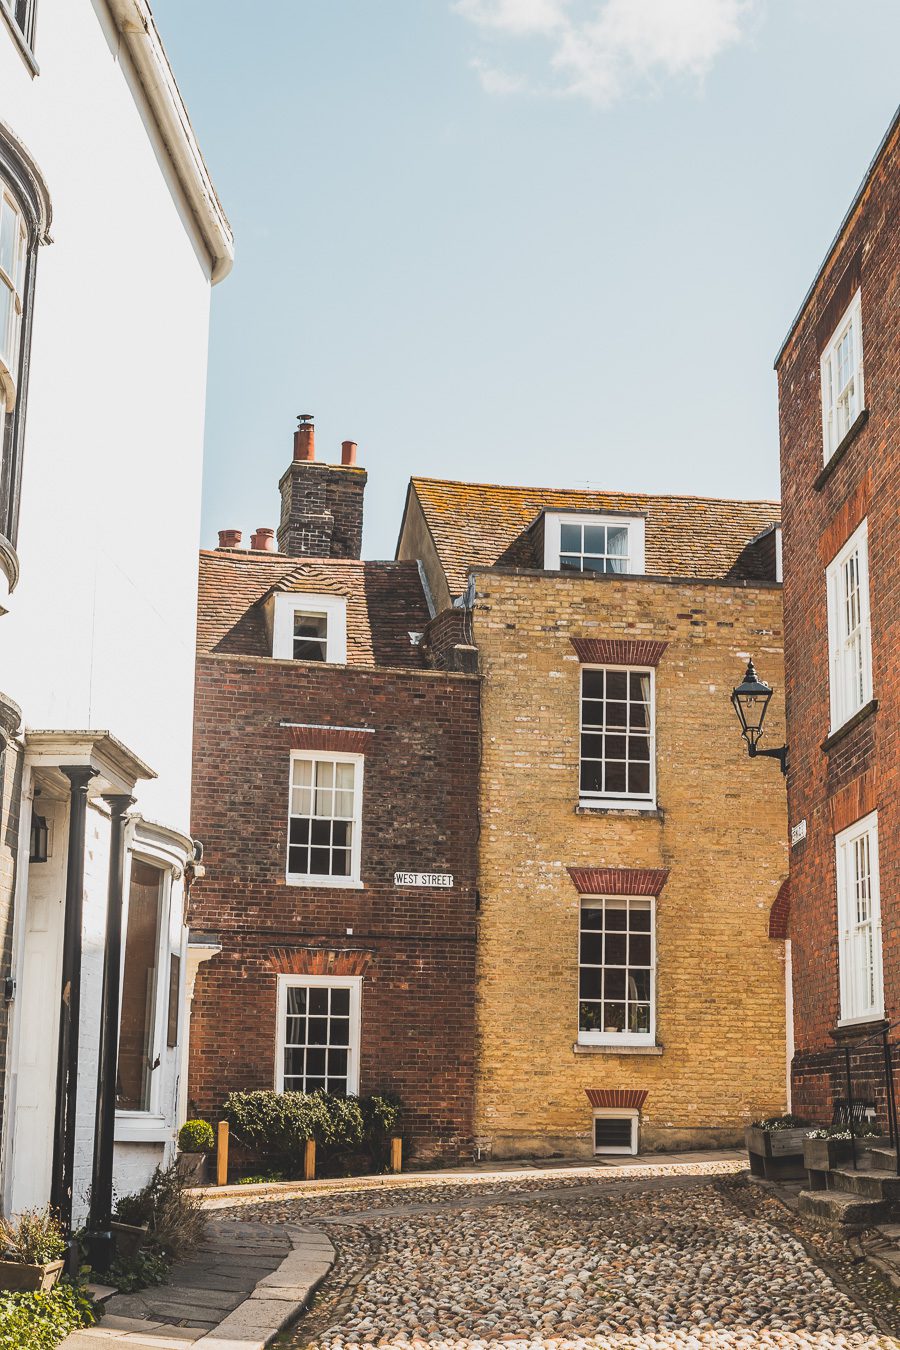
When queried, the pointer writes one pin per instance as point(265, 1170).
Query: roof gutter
point(141, 37)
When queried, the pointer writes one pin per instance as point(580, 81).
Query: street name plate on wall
point(443, 880)
point(798, 833)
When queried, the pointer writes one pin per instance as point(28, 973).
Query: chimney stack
point(321, 504)
point(263, 540)
point(305, 438)
point(229, 539)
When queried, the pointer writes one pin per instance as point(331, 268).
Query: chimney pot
point(348, 452)
point(229, 539)
point(263, 540)
point(305, 438)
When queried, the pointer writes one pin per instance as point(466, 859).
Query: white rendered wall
point(100, 632)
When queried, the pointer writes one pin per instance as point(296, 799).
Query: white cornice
point(139, 33)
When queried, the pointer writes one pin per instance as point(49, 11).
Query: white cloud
point(599, 49)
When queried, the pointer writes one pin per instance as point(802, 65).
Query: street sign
point(442, 880)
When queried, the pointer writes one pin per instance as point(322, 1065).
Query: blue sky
point(540, 241)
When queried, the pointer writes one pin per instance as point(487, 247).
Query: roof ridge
point(601, 492)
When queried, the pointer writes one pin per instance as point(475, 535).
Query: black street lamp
point(751, 701)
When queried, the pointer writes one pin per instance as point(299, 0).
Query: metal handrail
point(883, 1034)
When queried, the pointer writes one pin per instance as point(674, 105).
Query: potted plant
point(33, 1245)
point(195, 1143)
point(131, 1224)
point(775, 1147)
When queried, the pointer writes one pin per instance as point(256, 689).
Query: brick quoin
point(618, 651)
point(415, 948)
point(835, 780)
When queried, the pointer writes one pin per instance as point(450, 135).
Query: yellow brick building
point(629, 993)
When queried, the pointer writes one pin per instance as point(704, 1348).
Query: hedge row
point(278, 1124)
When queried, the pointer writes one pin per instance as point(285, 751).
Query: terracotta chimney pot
point(229, 539)
point(263, 540)
point(305, 438)
point(348, 452)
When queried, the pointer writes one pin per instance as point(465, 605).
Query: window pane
point(595, 539)
point(616, 915)
point(615, 779)
point(617, 714)
point(639, 779)
point(617, 542)
point(302, 773)
point(590, 983)
point(591, 949)
point(139, 988)
point(614, 983)
point(318, 1031)
point(614, 1016)
point(340, 1029)
point(568, 563)
point(615, 950)
point(591, 776)
point(590, 1017)
point(592, 683)
point(639, 950)
point(340, 1004)
point(592, 747)
point(318, 1002)
point(570, 538)
point(616, 684)
point(9, 230)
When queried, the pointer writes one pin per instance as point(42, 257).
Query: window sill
point(20, 40)
point(824, 475)
point(138, 1127)
point(835, 737)
point(850, 1027)
point(594, 807)
point(580, 1048)
point(326, 883)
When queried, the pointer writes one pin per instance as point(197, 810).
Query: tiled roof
point(385, 602)
point(483, 524)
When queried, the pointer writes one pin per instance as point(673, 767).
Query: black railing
point(854, 1107)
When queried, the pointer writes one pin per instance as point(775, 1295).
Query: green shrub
point(32, 1239)
point(278, 1124)
point(149, 1267)
point(788, 1122)
point(196, 1136)
point(41, 1321)
point(173, 1216)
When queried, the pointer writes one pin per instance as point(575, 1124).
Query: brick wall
point(417, 946)
point(321, 510)
point(830, 788)
point(716, 847)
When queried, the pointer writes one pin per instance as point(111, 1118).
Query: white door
point(37, 994)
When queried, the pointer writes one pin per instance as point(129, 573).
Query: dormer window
point(578, 542)
point(309, 627)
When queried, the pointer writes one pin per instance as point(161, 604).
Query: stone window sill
point(579, 1049)
point(824, 475)
point(860, 1026)
point(595, 809)
point(852, 722)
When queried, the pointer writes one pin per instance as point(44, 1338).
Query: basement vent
point(615, 1131)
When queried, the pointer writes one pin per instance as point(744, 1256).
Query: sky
point(547, 242)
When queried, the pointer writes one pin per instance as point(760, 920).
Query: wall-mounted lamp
point(40, 838)
point(751, 701)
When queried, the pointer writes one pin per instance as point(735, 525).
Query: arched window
point(24, 222)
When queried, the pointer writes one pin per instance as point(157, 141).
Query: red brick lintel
point(618, 651)
point(632, 1098)
point(618, 880)
point(352, 739)
point(319, 961)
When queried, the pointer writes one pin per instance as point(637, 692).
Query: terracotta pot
point(20, 1278)
point(129, 1238)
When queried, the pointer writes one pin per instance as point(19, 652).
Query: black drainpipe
point(101, 1244)
point(79, 775)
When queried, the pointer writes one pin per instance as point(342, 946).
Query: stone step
point(843, 1207)
point(883, 1159)
point(864, 1182)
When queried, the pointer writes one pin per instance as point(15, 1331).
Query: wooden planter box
point(821, 1155)
point(19, 1278)
point(129, 1238)
point(776, 1155)
point(194, 1167)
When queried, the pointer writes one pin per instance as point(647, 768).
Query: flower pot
point(20, 1278)
point(194, 1167)
point(821, 1155)
point(129, 1238)
point(776, 1155)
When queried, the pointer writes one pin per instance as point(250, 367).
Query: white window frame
point(133, 1124)
point(353, 881)
point(554, 520)
point(619, 801)
point(334, 607)
point(862, 990)
point(832, 433)
point(619, 1038)
point(351, 982)
point(850, 676)
point(615, 1113)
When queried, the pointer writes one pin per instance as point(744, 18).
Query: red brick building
point(335, 795)
point(838, 378)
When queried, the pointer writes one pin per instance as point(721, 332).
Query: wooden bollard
point(222, 1154)
point(396, 1154)
point(309, 1160)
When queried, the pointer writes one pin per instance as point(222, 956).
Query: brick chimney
point(321, 504)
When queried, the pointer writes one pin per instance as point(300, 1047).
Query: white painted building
point(111, 236)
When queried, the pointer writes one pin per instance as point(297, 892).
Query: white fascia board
point(139, 32)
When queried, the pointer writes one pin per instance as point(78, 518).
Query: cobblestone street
point(644, 1262)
